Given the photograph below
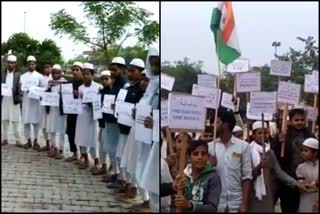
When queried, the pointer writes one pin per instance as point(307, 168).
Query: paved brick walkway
point(33, 182)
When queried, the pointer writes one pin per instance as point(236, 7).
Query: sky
point(185, 30)
point(38, 19)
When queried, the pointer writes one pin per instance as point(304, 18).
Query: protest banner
point(311, 84)
point(124, 113)
point(156, 127)
point(226, 101)
point(108, 100)
point(66, 88)
point(122, 94)
point(142, 133)
point(164, 113)
point(50, 99)
point(263, 102)
point(248, 82)
point(71, 105)
point(89, 94)
point(210, 94)
point(252, 116)
point(280, 68)
point(35, 92)
point(238, 65)
point(207, 80)
point(96, 107)
point(26, 84)
point(288, 93)
point(167, 81)
point(6, 90)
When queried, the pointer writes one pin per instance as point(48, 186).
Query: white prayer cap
point(12, 58)
point(299, 106)
point(106, 73)
point(80, 64)
point(88, 66)
point(258, 125)
point(237, 129)
point(177, 133)
point(118, 60)
point(56, 67)
point(31, 58)
point(311, 143)
point(137, 62)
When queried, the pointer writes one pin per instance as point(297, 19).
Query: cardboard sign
point(96, 107)
point(71, 105)
point(226, 101)
point(311, 84)
point(88, 94)
point(164, 113)
point(239, 65)
point(35, 92)
point(122, 94)
point(263, 102)
point(156, 128)
point(142, 133)
point(252, 116)
point(66, 88)
point(6, 90)
point(28, 83)
point(186, 112)
point(248, 82)
point(207, 80)
point(124, 113)
point(280, 68)
point(167, 81)
point(50, 99)
point(212, 95)
point(288, 92)
point(108, 100)
point(310, 113)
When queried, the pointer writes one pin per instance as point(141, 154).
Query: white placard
point(96, 107)
point(209, 93)
point(226, 101)
point(164, 113)
point(207, 80)
point(156, 128)
point(311, 84)
point(28, 83)
point(35, 92)
point(248, 82)
point(263, 102)
point(124, 113)
point(288, 93)
point(66, 88)
point(142, 133)
point(88, 94)
point(6, 90)
point(167, 81)
point(122, 94)
point(71, 105)
point(50, 99)
point(108, 100)
point(280, 68)
point(310, 113)
point(186, 112)
point(239, 65)
point(253, 116)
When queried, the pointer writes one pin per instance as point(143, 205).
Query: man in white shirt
point(232, 158)
point(30, 107)
point(10, 108)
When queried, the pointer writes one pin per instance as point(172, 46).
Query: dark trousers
point(73, 146)
point(289, 199)
point(71, 131)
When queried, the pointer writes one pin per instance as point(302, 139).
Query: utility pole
point(275, 44)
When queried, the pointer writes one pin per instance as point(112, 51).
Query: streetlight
point(275, 44)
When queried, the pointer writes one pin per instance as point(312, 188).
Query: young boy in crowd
point(308, 174)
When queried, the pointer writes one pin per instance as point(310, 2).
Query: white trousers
point(15, 127)
point(27, 130)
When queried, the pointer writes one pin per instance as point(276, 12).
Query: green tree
point(115, 23)
point(22, 45)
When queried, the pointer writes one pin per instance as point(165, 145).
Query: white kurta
point(9, 111)
point(30, 107)
point(87, 128)
point(43, 119)
point(55, 122)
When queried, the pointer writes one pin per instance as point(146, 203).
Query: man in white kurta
point(30, 107)
point(10, 103)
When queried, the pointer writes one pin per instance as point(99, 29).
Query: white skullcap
point(299, 106)
point(137, 62)
point(177, 133)
point(106, 73)
point(88, 66)
point(118, 60)
point(311, 143)
point(80, 64)
point(237, 129)
point(31, 58)
point(56, 67)
point(12, 58)
point(258, 125)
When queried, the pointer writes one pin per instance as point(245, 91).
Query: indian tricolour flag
point(224, 29)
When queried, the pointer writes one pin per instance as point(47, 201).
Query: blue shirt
point(233, 166)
